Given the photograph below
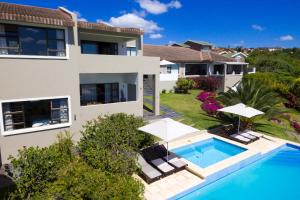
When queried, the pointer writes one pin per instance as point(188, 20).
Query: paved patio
point(181, 181)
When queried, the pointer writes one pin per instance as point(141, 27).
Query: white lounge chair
point(147, 171)
point(239, 137)
point(163, 166)
point(175, 161)
point(248, 135)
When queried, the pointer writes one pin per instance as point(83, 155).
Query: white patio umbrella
point(168, 130)
point(241, 110)
point(165, 62)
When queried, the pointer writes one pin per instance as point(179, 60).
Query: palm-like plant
point(254, 94)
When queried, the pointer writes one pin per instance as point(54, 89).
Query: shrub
point(296, 87)
point(164, 91)
point(211, 106)
point(207, 83)
point(79, 181)
point(183, 85)
point(110, 143)
point(36, 167)
point(205, 95)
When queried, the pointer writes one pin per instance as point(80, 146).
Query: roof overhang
point(232, 63)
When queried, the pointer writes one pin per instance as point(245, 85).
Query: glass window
point(25, 40)
point(33, 114)
point(89, 48)
point(234, 69)
point(218, 69)
point(169, 69)
point(33, 41)
point(106, 48)
point(196, 69)
point(99, 93)
point(131, 51)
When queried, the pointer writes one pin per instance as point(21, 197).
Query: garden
point(99, 166)
point(274, 90)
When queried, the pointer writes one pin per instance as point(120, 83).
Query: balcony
point(91, 63)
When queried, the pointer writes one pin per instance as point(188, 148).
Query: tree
point(254, 94)
point(35, 167)
point(77, 180)
point(110, 143)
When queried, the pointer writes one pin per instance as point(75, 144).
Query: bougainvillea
point(211, 105)
point(203, 96)
point(296, 126)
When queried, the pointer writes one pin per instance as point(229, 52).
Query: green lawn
point(187, 105)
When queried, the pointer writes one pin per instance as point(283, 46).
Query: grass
point(187, 105)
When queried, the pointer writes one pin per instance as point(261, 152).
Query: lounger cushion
point(177, 162)
point(247, 135)
point(162, 165)
point(147, 169)
point(239, 137)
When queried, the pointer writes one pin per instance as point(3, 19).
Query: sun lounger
point(241, 138)
point(147, 171)
point(163, 166)
point(172, 158)
point(248, 135)
point(175, 161)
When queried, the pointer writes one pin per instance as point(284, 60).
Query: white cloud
point(155, 36)
point(257, 27)
point(171, 42)
point(79, 16)
point(156, 7)
point(240, 43)
point(103, 22)
point(134, 21)
point(286, 38)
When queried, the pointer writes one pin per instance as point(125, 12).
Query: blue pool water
point(275, 177)
point(208, 152)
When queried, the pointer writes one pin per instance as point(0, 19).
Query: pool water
point(208, 152)
point(275, 177)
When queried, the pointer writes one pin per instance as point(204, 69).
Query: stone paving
point(167, 112)
point(181, 181)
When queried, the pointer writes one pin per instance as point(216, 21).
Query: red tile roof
point(182, 54)
point(32, 14)
point(105, 27)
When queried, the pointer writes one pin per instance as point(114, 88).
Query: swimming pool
point(208, 152)
point(274, 177)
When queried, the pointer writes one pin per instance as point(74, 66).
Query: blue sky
point(250, 23)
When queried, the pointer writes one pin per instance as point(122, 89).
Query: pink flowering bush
point(203, 96)
point(296, 126)
point(211, 106)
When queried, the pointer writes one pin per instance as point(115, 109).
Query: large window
point(25, 40)
point(99, 93)
point(91, 47)
point(35, 114)
point(131, 51)
point(234, 69)
point(218, 70)
point(195, 69)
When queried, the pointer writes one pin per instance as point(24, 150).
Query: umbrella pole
point(239, 124)
point(167, 152)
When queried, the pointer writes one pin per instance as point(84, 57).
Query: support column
point(156, 95)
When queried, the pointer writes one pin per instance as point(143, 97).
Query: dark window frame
point(198, 71)
point(21, 113)
point(113, 51)
point(18, 37)
point(114, 94)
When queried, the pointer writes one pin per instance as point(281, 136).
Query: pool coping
point(232, 168)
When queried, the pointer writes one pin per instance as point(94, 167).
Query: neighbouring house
point(198, 45)
point(56, 73)
point(193, 63)
point(238, 56)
